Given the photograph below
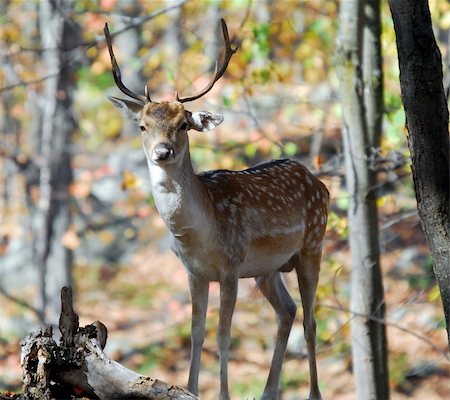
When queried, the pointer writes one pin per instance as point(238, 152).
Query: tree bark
point(374, 110)
point(54, 260)
point(78, 367)
point(373, 71)
point(361, 133)
point(427, 123)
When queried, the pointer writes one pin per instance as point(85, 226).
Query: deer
point(224, 225)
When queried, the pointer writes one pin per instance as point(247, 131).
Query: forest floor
point(146, 307)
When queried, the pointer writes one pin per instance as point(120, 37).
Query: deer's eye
point(142, 128)
point(184, 126)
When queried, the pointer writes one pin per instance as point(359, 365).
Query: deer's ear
point(129, 109)
point(203, 120)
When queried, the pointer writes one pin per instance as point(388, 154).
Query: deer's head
point(164, 125)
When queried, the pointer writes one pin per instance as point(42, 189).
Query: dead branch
point(78, 367)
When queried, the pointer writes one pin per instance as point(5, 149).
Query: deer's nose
point(163, 151)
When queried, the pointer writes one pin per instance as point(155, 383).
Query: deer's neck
point(180, 197)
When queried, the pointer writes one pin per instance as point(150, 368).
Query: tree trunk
point(427, 123)
point(53, 259)
point(373, 71)
point(374, 109)
point(361, 132)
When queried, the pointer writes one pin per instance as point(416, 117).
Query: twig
point(399, 218)
point(24, 304)
point(27, 83)
point(257, 123)
point(424, 339)
point(95, 42)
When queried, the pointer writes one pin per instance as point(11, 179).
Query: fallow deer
point(259, 222)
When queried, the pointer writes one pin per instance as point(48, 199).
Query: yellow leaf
point(107, 237)
point(434, 294)
point(444, 23)
point(130, 181)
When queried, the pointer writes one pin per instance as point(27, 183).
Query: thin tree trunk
point(373, 71)
point(427, 123)
point(54, 260)
point(374, 106)
point(367, 299)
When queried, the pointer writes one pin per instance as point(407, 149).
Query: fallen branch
point(78, 367)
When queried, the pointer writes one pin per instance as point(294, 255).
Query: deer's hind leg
point(308, 268)
point(275, 291)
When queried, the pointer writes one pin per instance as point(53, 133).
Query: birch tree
point(358, 66)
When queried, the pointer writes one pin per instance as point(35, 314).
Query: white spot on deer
point(222, 205)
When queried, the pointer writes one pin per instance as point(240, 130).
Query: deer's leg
point(199, 294)
point(275, 291)
point(228, 294)
point(308, 276)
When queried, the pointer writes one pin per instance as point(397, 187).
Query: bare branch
point(87, 45)
point(384, 321)
point(23, 303)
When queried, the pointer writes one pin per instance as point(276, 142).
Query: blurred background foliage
point(279, 99)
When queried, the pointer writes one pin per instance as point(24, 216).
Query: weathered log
point(77, 366)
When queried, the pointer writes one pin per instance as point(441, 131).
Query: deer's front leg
point(199, 295)
point(228, 293)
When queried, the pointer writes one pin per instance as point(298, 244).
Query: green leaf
point(276, 152)
point(290, 149)
point(250, 150)
point(261, 34)
point(342, 201)
point(226, 100)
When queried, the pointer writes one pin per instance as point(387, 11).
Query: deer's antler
point(118, 76)
point(229, 51)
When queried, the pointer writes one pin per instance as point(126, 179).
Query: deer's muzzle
point(163, 152)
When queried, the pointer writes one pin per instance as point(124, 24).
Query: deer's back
point(265, 204)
